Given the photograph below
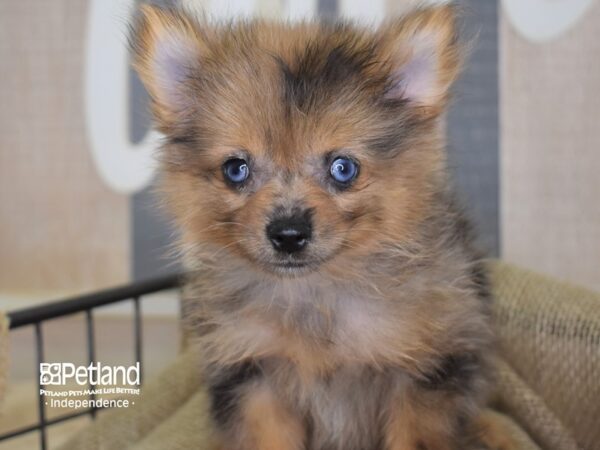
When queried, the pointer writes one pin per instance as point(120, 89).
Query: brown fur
point(267, 424)
point(381, 340)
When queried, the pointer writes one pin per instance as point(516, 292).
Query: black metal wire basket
point(36, 316)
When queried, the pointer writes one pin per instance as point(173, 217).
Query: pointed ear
point(424, 56)
point(167, 48)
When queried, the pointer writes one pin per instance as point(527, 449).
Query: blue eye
point(343, 170)
point(236, 170)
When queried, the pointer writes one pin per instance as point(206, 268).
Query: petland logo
point(96, 374)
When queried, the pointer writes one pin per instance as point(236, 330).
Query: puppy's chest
point(343, 410)
point(318, 326)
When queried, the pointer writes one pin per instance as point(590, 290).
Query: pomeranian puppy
point(334, 289)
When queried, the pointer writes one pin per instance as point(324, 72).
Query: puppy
point(334, 289)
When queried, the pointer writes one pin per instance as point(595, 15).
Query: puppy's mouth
point(292, 264)
point(303, 263)
point(291, 268)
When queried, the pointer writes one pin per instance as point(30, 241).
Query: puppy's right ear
point(167, 49)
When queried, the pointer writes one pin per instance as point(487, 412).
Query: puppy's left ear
point(424, 56)
point(167, 48)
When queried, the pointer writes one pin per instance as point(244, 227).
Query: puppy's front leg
point(416, 421)
point(267, 424)
point(251, 417)
point(437, 412)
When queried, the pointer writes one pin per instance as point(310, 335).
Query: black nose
point(290, 234)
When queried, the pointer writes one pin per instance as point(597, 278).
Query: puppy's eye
point(236, 170)
point(343, 170)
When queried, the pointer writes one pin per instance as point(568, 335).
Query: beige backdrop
point(61, 229)
point(550, 151)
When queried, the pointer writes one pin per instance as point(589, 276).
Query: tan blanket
point(548, 390)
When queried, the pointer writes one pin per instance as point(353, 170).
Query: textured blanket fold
point(549, 337)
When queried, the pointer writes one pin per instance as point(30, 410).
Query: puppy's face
point(293, 146)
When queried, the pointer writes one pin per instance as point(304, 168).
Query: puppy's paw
point(496, 432)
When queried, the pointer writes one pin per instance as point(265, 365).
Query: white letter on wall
point(542, 20)
point(123, 166)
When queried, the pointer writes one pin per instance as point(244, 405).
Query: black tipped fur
point(324, 68)
point(453, 373)
point(225, 389)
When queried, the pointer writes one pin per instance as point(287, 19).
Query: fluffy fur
point(379, 339)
